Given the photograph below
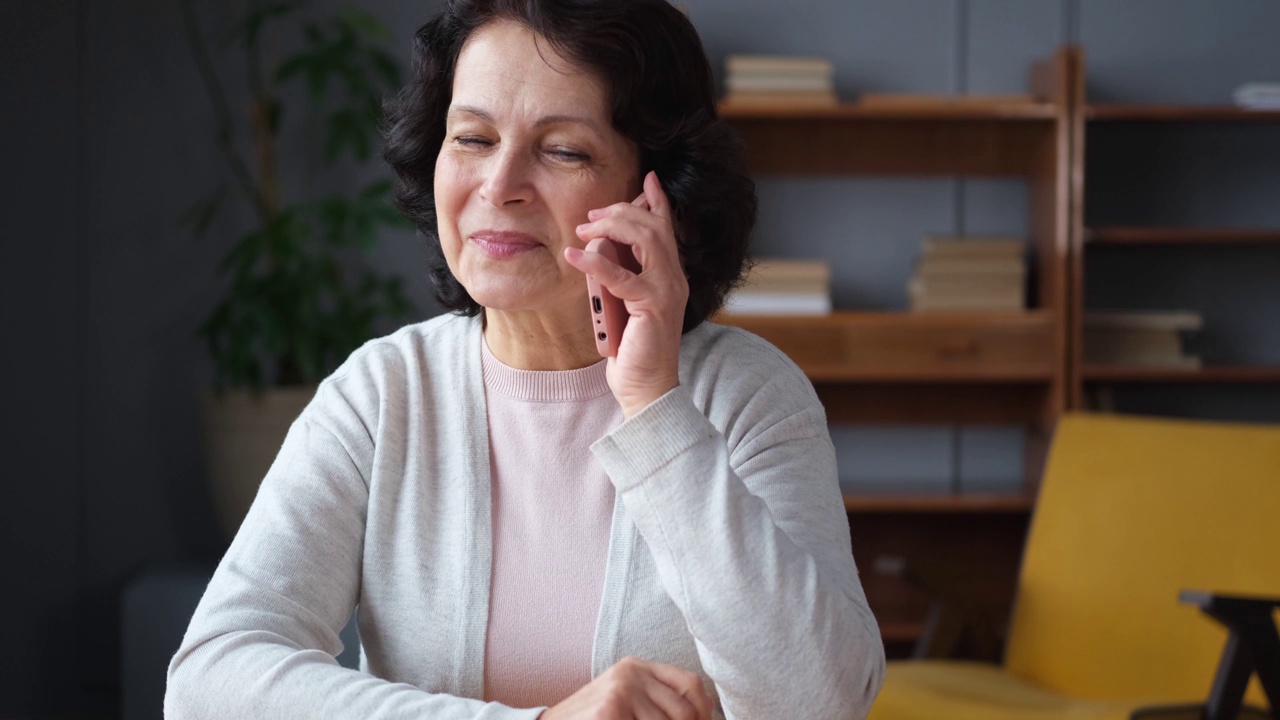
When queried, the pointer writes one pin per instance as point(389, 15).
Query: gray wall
point(103, 294)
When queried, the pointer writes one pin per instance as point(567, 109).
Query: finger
point(653, 192)
point(637, 210)
point(686, 684)
point(645, 232)
point(656, 700)
point(610, 274)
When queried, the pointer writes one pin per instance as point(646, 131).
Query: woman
point(529, 531)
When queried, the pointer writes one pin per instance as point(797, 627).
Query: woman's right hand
point(635, 689)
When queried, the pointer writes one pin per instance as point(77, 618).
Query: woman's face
point(529, 148)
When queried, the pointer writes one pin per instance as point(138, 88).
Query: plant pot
point(243, 432)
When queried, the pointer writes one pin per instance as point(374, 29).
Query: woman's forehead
point(505, 67)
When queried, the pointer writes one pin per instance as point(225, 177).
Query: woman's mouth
point(501, 244)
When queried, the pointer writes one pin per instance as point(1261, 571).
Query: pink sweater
point(552, 507)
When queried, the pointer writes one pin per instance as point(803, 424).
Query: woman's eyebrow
point(540, 122)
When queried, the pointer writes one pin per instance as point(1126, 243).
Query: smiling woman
point(529, 150)
point(527, 530)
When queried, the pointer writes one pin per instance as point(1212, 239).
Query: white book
point(764, 64)
point(749, 303)
point(777, 83)
point(1258, 96)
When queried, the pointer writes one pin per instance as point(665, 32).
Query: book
point(777, 83)
point(968, 265)
point(1258, 96)
point(1144, 319)
point(747, 302)
point(1140, 337)
point(783, 269)
point(778, 64)
point(968, 286)
point(780, 286)
point(970, 296)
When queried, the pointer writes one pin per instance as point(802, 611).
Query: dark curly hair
point(663, 99)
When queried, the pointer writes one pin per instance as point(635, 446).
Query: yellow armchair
point(1131, 512)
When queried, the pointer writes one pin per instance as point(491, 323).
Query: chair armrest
point(1253, 645)
point(1230, 604)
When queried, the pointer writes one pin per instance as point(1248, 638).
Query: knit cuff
point(651, 438)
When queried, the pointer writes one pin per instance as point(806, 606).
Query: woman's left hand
point(648, 362)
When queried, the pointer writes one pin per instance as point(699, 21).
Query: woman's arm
point(753, 547)
point(263, 639)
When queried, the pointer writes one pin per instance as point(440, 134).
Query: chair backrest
point(1131, 511)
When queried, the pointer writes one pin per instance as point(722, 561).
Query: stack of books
point(973, 273)
point(779, 81)
point(783, 287)
point(1145, 338)
point(1258, 96)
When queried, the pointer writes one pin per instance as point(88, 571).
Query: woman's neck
point(529, 340)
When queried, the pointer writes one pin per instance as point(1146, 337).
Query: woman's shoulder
point(383, 371)
point(725, 346)
point(730, 370)
point(412, 347)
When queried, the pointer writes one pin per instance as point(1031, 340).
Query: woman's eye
point(568, 155)
point(472, 141)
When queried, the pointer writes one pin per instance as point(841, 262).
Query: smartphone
point(608, 313)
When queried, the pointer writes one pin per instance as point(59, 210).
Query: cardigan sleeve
point(752, 544)
point(263, 640)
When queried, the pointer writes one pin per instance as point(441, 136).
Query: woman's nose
point(507, 179)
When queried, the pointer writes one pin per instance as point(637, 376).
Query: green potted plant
point(296, 305)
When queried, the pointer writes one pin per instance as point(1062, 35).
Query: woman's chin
point(506, 299)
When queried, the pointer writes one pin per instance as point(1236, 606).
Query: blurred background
point(108, 133)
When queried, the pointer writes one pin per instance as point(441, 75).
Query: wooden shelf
point(1177, 113)
point(903, 347)
point(909, 139)
point(940, 111)
point(1207, 375)
point(940, 503)
point(1180, 236)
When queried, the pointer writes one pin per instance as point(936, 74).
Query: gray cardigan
point(728, 555)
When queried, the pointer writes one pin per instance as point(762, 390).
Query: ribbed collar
point(542, 385)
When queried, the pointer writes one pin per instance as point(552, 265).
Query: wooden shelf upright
point(1087, 239)
point(936, 368)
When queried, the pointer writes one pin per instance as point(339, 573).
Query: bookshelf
point(962, 503)
point(1175, 113)
point(1181, 236)
point(1091, 382)
point(936, 368)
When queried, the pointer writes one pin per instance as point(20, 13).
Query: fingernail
point(583, 226)
point(593, 214)
point(573, 253)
